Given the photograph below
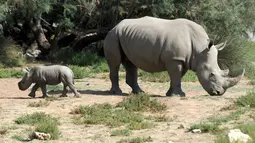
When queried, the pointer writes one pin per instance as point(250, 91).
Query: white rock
point(197, 131)
point(42, 136)
point(236, 136)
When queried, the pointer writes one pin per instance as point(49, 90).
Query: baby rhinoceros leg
point(69, 81)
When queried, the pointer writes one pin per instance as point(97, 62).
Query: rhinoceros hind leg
point(64, 92)
point(131, 76)
point(175, 71)
point(44, 91)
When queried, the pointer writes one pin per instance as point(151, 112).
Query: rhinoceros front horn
point(233, 81)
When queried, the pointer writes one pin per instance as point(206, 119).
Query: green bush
point(8, 73)
point(35, 118)
point(122, 132)
point(205, 127)
point(247, 100)
point(141, 102)
point(10, 54)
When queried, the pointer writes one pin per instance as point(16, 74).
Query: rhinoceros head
point(214, 80)
point(26, 81)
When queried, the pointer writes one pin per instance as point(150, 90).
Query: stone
point(236, 136)
point(196, 131)
point(42, 136)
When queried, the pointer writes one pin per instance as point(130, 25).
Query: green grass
point(121, 132)
point(164, 77)
point(205, 127)
point(142, 102)
point(136, 140)
point(35, 118)
point(52, 88)
point(140, 125)
point(41, 103)
point(8, 73)
point(42, 122)
point(247, 100)
point(105, 114)
point(18, 138)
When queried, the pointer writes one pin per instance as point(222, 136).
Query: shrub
point(141, 102)
point(35, 118)
point(11, 54)
point(248, 100)
point(122, 132)
point(8, 73)
point(205, 127)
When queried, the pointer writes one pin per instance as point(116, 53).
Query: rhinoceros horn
point(233, 81)
point(221, 46)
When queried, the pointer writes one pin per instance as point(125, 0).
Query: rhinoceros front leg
point(44, 90)
point(34, 88)
point(131, 76)
point(175, 71)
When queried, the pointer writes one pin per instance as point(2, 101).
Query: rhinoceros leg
point(64, 92)
point(76, 93)
point(175, 71)
point(44, 91)
point(131, 76)
point(34, 88)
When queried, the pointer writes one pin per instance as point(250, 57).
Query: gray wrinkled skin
point(156, 45)
point(48, 75)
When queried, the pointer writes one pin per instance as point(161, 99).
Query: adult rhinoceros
point(155, 45)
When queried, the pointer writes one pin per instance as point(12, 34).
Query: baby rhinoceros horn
point(233, 81)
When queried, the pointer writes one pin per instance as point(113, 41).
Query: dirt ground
point(196, 107)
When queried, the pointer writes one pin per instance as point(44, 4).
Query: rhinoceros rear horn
point(233, 81)
point(221, 46)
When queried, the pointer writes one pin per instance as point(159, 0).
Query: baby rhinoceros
point(48, 75)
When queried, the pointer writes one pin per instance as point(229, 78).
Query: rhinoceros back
point(51, 75)
point(149, 42)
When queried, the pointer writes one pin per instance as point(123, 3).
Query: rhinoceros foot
point(116, 91)
point(63, 95)
point(31, 95)
point(172, 92)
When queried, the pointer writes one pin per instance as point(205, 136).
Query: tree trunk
point(43, 43)
point(88, 39)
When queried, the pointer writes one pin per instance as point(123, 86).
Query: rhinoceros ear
point(221, 46)
point(26, 70)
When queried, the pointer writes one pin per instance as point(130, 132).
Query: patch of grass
point(205, 127)
point(189, 77)
point(141, 102)
point(141, 125)
point(52, 88)
point(222, 139)
point(11, 54)
point(105, 114)
point(235, 115)
point(154, 77)
point(136, 140)
point(121, 132)
point(249, 129)
point(42, 122)
point(80, 72)
point(41, 103)
point(35, 118)
point(18, 138)
point(8, 73)
point(52, 98)
point(164, 77)
point(50, 127)
point(247, 100)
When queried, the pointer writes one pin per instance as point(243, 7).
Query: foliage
point(11, 54)
point(205, 127)
point(247, 100)
point(136, 140)
point(122, 132)
point(141, 102)
point(7, 73)
point(42, 122)
point(35, 118)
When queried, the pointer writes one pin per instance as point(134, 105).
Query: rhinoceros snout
point(21, 87)
point(217, 92)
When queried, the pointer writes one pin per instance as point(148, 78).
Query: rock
point(42, 136)
point(196, 131)
point(236, 136)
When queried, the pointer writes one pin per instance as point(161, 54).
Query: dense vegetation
point(58, 27)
